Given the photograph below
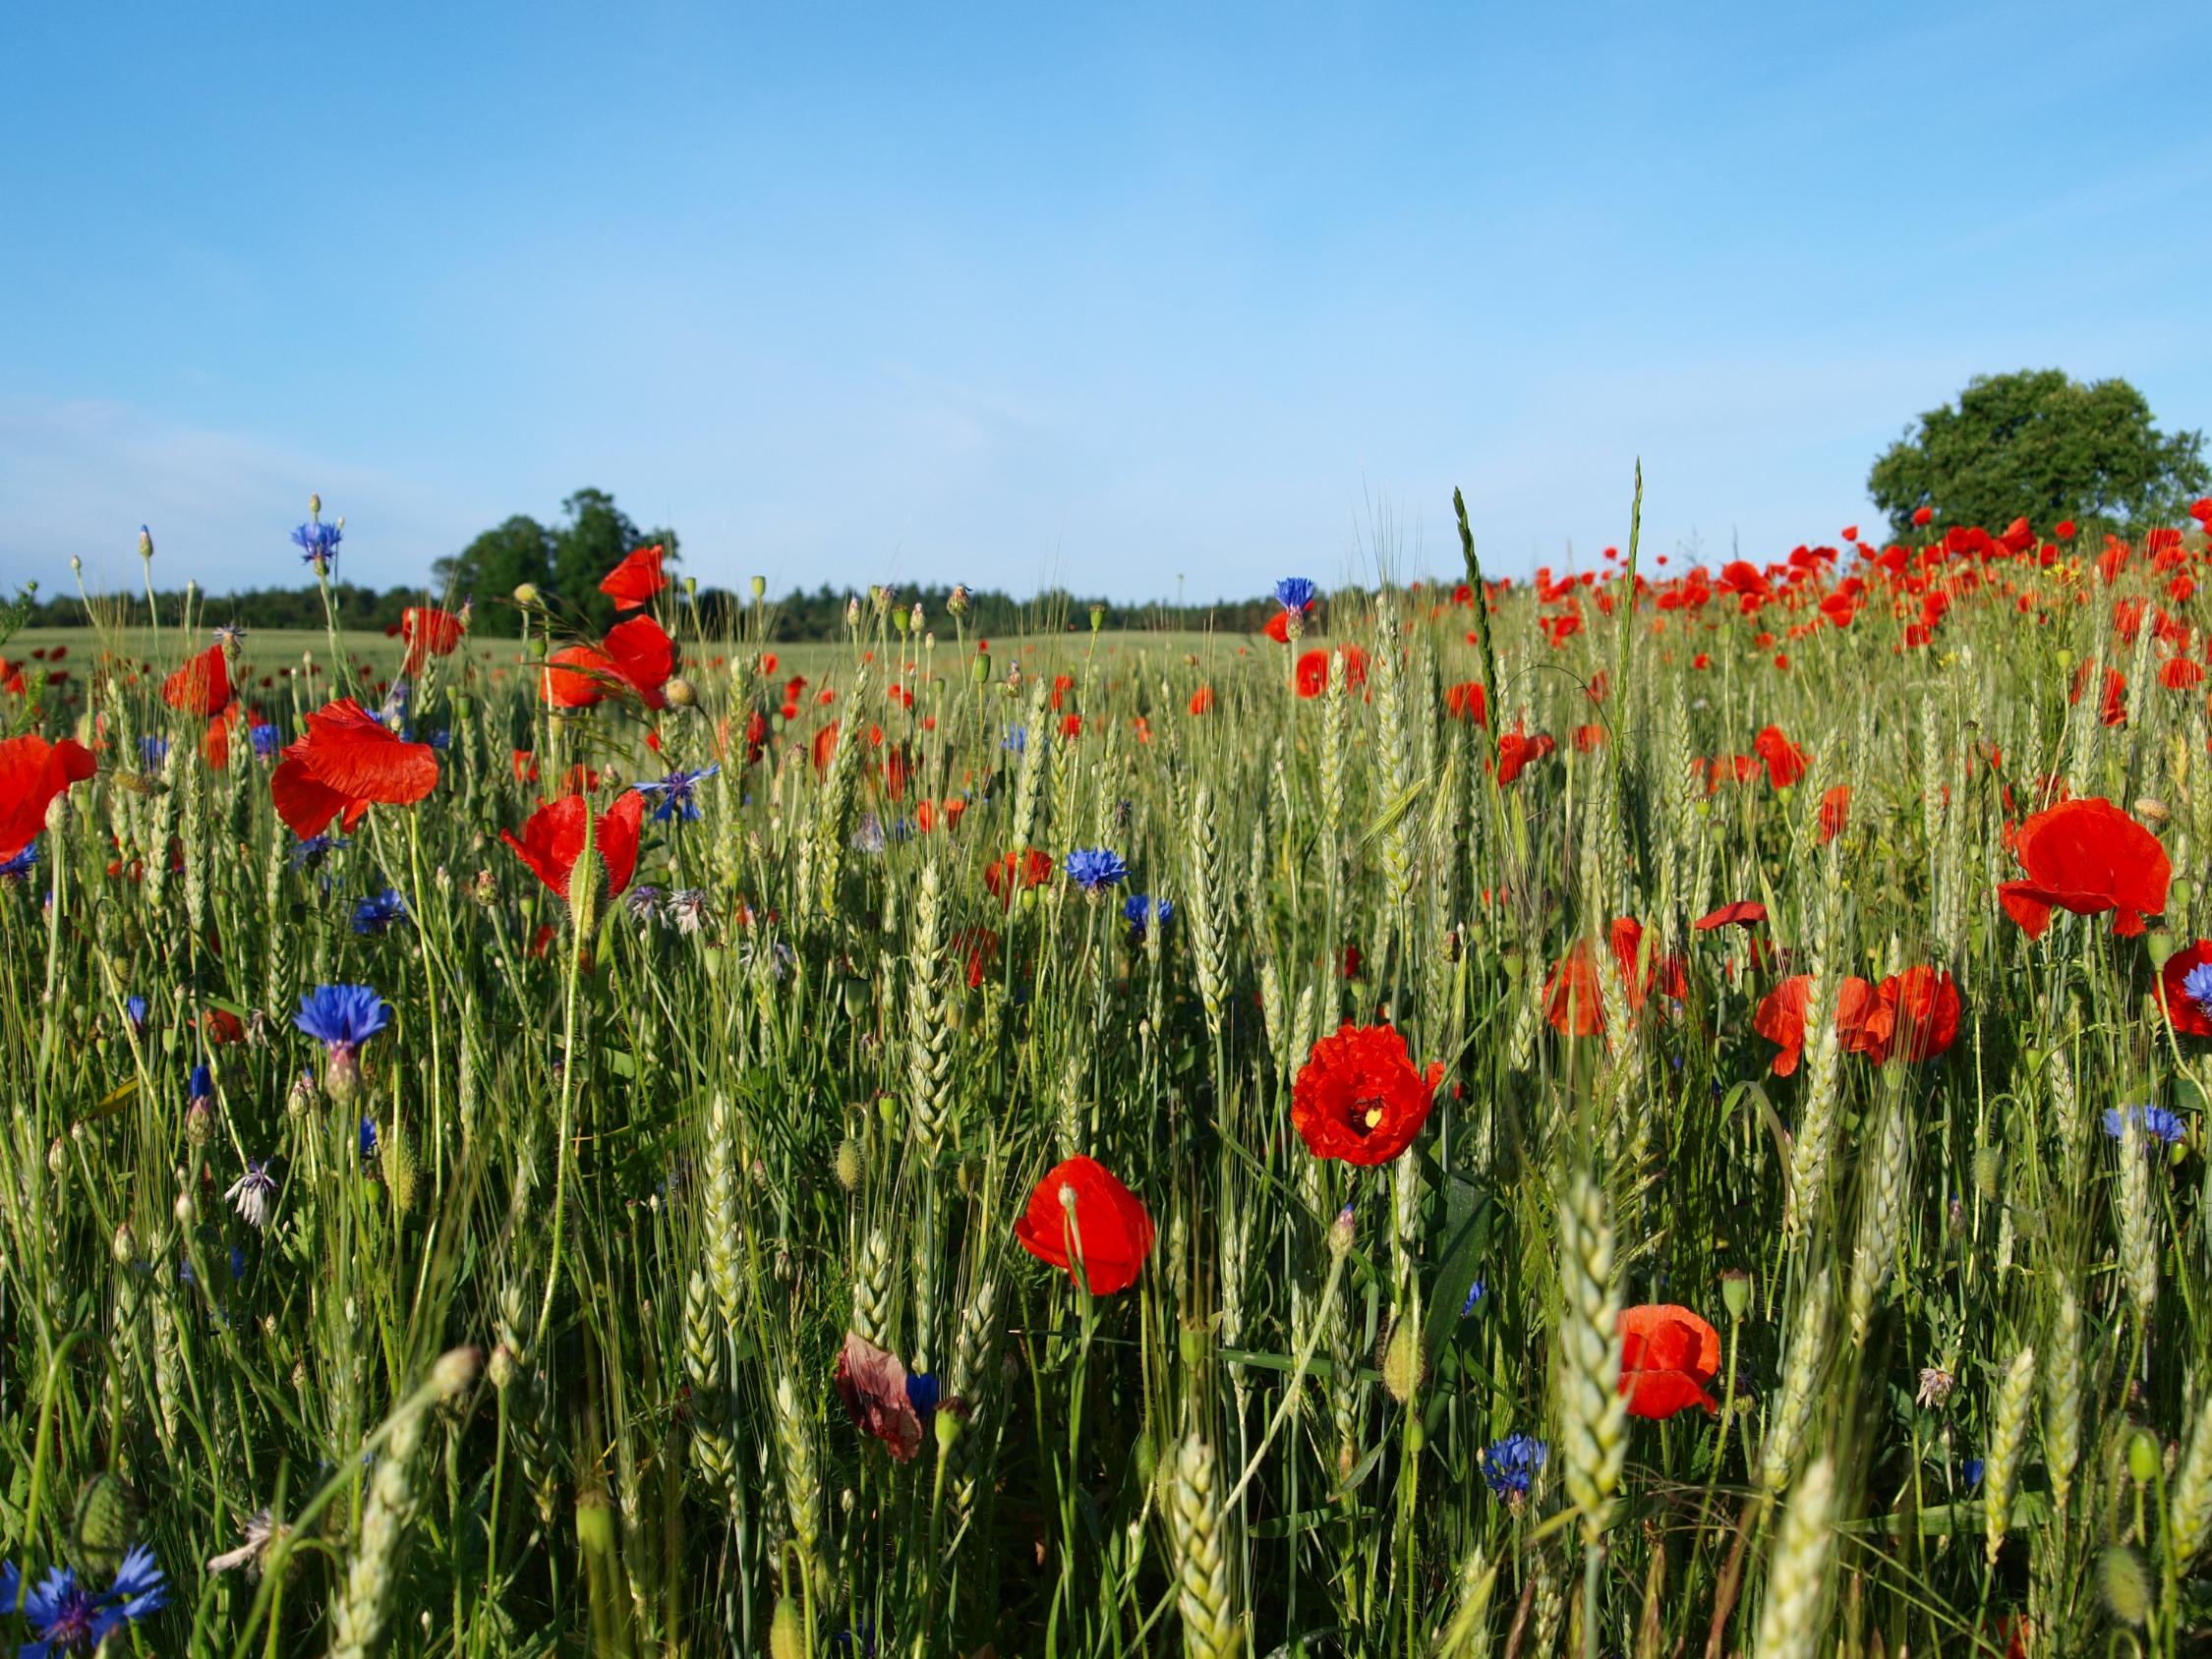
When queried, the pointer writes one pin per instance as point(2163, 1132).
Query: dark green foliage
point(2044, 447)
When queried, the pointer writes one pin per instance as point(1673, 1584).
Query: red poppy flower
point(2088, 857)
point(635, 580)
point(1668, 1356)
point(1313, 670)
point(1468, 701)
point(873, 1386)
point(1079, 1209)
point(1915, 1017)
point(11, 677)
point(637, 654)
point(1786, 762)
point(1781, 1018)
point(1007, 876)
point(2189, 1017)
point(202, 686)
point(1742, 913)
point(346, 760)
point(429, 632)
point(32, 771)
point(221, 1028)
point(554, 839)
point(1202, 701)
point(2114, 710)
point(1574, 1000)
point(1923, 517)
point(1516, 751)
point(1360, 1097)
point(1836, 812)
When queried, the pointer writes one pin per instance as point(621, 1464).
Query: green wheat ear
point(105, 1523)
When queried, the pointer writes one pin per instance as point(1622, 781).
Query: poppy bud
point(502, 1367)
point(124, 1245)
point(1736, 1292)
point(2126, 1585)
point(525, 594)
point(1989, 1169)
point(57, 1157)
point(849, 1164)
point(2142, 1455)
point(760, 587)
point(1097, 617)
point(679, 692)
point(314, 506)
point(186, 1211)
point(57, 814)
point(787, 1635)
point(979, 671)
point(948, 1426)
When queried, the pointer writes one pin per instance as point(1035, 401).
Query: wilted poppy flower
point(2184, 989)
point(872, 1383)
point(202, 686)
point(429, 632)
point(1668, 1356)
point(1080, 1210)
point(32, 771)
point(1359, 1096)
point(1786, 762)
point(347, 761)
point(554, 839)
point(635, 580)
point(2088, 857)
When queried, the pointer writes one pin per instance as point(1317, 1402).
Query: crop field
point(1656, 1112)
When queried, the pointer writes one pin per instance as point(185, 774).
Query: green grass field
point(845, 1209)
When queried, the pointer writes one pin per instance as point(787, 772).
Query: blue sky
point(1116, 297)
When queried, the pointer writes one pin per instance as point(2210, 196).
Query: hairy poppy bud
point(124, 1245)
point(849, 1164)
point(1400, 1361)
point(186, 1211)
point(502, 1367)
point(787, 1633)
point(526, 594)
point(679, 692)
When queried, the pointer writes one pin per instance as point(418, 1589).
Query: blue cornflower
point(677, 792)
point(2155, 1122)
point(314, 849)
point(18, 867)
point(237, 1262)
point(393, 712)
point(374, 914)
point(133, 1011)
point(318, 542)
point(2196, 983)
point(1971, 1471)
point(1140, 910)
point(368, 1138)
point(266, 740)
point(202, 1085)
point(1095, 868)
point(1474, 1295)
point(922, 1393)
point(343, 1016)
point(1511, 1465)
point(153, 751)
point(1294, 594)
point(868, 837)
point(1016, 741)
point(68, 1618)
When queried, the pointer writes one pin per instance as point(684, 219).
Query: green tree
point(2044, 447)
point(563, 561)
point(493, 565)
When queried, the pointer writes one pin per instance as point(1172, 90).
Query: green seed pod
point(2126, 1586)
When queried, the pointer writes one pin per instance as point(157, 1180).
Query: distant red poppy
point(32, 771)
point(1080, 1210)
point(1359, 1096)
point(1516, 752)
point(1007, 876)
point(872, 1383)
point(2189, 1017)
point(2181, 673)
point(2114, 713)
point(1668, 1356)
point(1786, 762)
point(1923, 517)
point(1836, 812)
point(202, 686)
point(1740, 913)
point(221, 1028)
point(635, 580)
point(1202, 701)
point(347, 761)
point(554, 839)
point(2088, 857)
point(1313, 670)
point(1588, 739)
point(1468, 701)
point(429, 632)
point(1574, 996)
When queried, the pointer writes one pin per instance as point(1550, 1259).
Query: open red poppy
point(346, 760)
point(2189, 1017)
point(1740, 913)
point(32, 771)
point(1005, 877)
point(1786, 762)
point(1780, 1017)
point(202, 686)
point(635, 580)
point(1360, 1097)
point(1098, 1220)
point(1668, 1356)
point(635, 656)
point(2088, 857)
point(429, 632)
point(1915, 1017)
point(554, 839)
